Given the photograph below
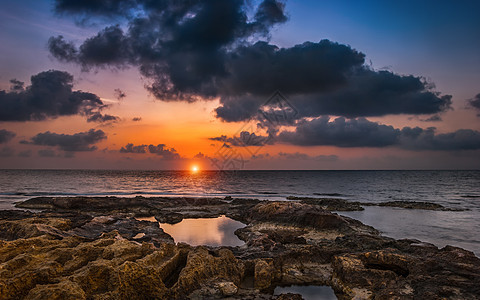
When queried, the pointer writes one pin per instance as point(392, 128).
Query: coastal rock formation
point(96, 248)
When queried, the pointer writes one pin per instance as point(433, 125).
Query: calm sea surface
point(453, 189)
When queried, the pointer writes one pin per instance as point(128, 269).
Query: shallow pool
point(203, 231)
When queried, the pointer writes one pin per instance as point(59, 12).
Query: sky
point(232, 84)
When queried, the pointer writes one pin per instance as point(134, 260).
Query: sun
point(195, 169)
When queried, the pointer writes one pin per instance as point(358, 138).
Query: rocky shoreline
point(89, 248)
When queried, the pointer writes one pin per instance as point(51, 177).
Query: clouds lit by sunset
point(136, 84)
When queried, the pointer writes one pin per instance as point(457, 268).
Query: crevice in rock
point(172, 277)
point(248, 279)
point(394, 268)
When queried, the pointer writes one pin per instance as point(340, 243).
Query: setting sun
point(195, 169)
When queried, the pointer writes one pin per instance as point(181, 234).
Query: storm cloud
point(50, 95)
point(190, 50)
point(6, 136)
point(82, 141)
point(361, 132)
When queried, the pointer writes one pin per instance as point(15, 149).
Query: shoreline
point(286, 243)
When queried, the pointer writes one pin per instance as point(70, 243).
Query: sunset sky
point(168, 84)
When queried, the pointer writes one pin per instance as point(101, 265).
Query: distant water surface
point(452, 189)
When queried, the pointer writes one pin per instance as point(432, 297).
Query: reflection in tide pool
point(205, 231)
point(308, 292)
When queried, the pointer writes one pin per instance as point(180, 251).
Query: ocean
point(452, 189)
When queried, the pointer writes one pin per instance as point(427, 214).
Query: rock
point(94, 248)
point(227, 288)
point(391, 273)
point(57, 291)
point(416, 205)
point(170, 218)
point(201, 266)
point(264, 273)
point(289, 296)
point(330, 204)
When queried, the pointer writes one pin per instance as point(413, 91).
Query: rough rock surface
point(90, 248)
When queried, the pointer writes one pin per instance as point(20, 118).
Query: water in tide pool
point(452, 189)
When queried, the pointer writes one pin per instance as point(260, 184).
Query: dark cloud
point(130, 148)
point(244, 139)
point(101, 118)
point(341, 132)
point(164, 152)
point(199, 155)
point(119, 94)
point(6, 152)
point(434, 118)
point(204, 49)
point(6, 136)
point(475, 103)
point(180, 45)
point(360, 132)
point(46, 153)
point(17, 86)
point(50, 95)
point(364, 92)
point(426, 139)
point(136, 119)
point(161, 150)
point(82, 141)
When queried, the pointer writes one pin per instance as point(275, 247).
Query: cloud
point(119, 94)
point(199, 155)
point(475, 103)
point(164, 152)
point(101, 118)
point(50, 95)
point(130, 148)
point(6, 136)
point(361, 92)
point(245, 139)
point(82, 141)
point(426, 139)
point(181, 46)
point(190, 50)
point(341, 132)
point(161, 150)
point(361, 132)
point(136, 119)
point(434, 118)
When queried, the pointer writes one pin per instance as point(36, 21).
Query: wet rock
point(227, 288)
point(330, 204)
point(416, 205)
